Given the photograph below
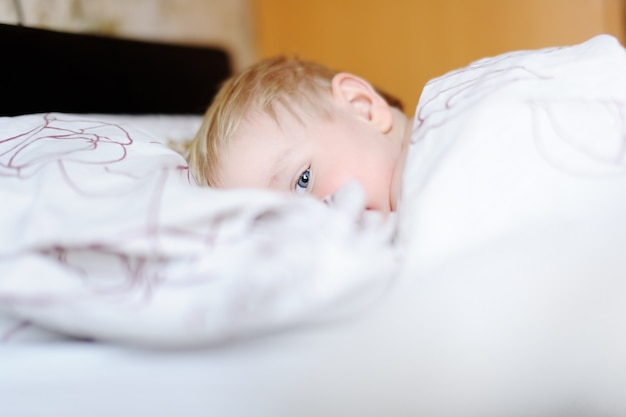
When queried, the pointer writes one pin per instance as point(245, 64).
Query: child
point(290, 125)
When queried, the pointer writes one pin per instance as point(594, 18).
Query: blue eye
point(303, 181)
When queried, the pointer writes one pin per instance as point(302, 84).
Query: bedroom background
point(397, 44)
point(504, 294)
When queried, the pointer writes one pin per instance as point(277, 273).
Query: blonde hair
point(289, 82)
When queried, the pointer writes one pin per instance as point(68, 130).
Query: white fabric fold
point(106, 236)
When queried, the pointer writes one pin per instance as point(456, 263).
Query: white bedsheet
point(509, 300)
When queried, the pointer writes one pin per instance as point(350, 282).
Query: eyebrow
point(279, 166)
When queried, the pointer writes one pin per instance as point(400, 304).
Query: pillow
point(512, 213)
point(165, 128)
point(512, 140)
point(105, 235)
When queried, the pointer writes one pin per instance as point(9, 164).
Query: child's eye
point(303, 181)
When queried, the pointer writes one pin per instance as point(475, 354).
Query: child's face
point(316, 156)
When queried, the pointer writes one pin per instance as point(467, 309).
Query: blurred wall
point(400, 44)
point(223, 23)
point(396, 44)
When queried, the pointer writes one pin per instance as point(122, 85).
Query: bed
point(496, 289)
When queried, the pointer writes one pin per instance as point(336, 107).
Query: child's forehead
point(266, 128)
point(276, 116)
point(306, 108)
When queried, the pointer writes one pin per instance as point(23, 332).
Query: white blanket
point(504, 293)
point(105, 236)
point(514, 218)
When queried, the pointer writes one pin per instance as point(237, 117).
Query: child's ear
point(359, 97)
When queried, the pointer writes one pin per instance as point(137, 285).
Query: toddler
point(290, 125)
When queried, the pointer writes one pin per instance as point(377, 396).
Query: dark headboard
point(44, 70)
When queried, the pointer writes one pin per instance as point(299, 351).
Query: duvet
point(497, 288)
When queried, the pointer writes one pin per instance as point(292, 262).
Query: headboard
point(46, 71)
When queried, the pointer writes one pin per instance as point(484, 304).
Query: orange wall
point(400, 44)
